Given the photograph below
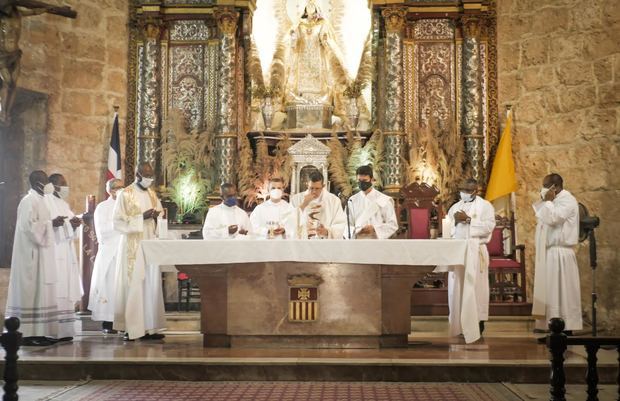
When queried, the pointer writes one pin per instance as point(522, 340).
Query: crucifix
point(11, 13)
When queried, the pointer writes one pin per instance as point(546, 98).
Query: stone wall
point(559, 66)
point(82, 65)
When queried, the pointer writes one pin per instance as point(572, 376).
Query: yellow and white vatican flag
point(503, 181)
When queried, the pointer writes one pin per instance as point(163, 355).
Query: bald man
point(474, 218)
point(557, 291)
point(135, 216)
point(32, 284)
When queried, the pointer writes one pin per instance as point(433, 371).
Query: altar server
point(33, 278)
point(473, 217)
point(68, 284)
point(556, 278)
point(274, 218)
point(371, 212)
point(102, 290)
point(135, 214)
point(319, 213)
point(226, 220)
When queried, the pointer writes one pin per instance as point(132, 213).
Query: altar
point(305, 293)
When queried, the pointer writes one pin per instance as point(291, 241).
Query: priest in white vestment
point(371, 213)
point(319, 213)
point(474, 218)
point(135, 214)
point(102, 289)
point(69, 283)
point(226, 220)
point(33, 278)
point(274, 218)
point(557, 290)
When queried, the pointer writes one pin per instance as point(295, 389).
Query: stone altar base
point(358, 306)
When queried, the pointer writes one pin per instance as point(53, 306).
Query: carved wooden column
point(393, 119)
point(149, 95)
point(471, 123)
point(226, 137)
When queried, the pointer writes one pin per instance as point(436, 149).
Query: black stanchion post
point(592, 375)
point(11, 341)
point(556, 342)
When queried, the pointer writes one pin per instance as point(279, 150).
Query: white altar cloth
point(447, 253)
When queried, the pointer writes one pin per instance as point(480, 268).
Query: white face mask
point(275, 194)
point(63, 192)
point(465, 197)
point(146, 182)
point(48, 188)
point(543, 192)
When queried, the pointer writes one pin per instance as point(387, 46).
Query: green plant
point(189, 192)
point(188, 161)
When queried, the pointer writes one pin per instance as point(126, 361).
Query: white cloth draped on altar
point(451, 253)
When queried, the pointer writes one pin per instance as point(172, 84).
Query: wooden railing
point(10, 341)
point(557, 342)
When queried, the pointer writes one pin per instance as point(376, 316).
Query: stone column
point(472, 98)
point(226, 136)
point(393, 119)
point(149, 123)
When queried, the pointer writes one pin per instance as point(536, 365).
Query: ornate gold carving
point(493, 112)
point(471, 26)
point(393, 120)
point(130, 131)
point(304, 280)
point(433, 29)
point(409, 77)
point(395, 18)
point(227, 18)
point(152, 29)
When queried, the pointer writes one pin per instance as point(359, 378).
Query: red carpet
point(283, 391)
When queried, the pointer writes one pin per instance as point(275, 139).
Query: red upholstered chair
point(421, 210)
point(419, 223)
point(506, 270)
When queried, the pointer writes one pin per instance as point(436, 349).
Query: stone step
point(420, 325)
point(496, 324)
point(190, 321)
point(183, 321)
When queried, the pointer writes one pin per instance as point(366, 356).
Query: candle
point(446, 227)
point(162, 227)
point(90, 204)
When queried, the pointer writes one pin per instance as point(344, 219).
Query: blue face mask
point(230, 201)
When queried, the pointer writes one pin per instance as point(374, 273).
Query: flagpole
point(513, 198)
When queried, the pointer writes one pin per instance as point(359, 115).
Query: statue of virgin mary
point(315, 71)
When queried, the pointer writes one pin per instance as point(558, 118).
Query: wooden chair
point(420, 209)
point(420, 213)
point(185, 284)
point(506, 265)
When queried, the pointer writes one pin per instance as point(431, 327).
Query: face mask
point(543, 192)
point(230, 201)
point(47, 188)
point(63, 192)
point(465, 197)
point(146, 182)
point(364, 185)
point(275, 194)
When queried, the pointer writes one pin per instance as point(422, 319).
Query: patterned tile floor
point(242, 391)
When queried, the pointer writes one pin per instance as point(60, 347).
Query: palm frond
point(254, 67)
